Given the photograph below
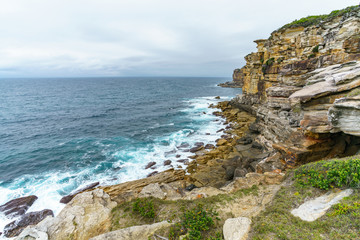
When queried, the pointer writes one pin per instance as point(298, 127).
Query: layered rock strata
point(303, 87)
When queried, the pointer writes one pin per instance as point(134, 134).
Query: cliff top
point(313, 20)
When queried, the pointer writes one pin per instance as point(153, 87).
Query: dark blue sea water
point(57, 135)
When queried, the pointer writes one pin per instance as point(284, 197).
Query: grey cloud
point(140, 38)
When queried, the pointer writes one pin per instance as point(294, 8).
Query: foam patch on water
point(124, 164)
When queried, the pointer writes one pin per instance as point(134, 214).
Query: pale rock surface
point(314, 209)
point(152, 190)
point(142, 232)
point(88, 214)
point(32, 234)
point(236, 228)
point(345, 115)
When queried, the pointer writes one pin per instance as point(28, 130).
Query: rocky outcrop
point(302, 85)
point(87, 215)
point(127, 191)
point(18, 206)
point(14, 228)
point(344, 115)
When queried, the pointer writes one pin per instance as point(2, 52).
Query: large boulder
point(18, 206)
point(14, 228)
point(236, 228)
point(87, 215)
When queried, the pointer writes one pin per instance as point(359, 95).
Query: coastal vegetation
point(336, 173)
point(201, 218)
point(315, 19)
point(341, 221)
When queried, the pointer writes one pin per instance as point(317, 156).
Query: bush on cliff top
point(329, 174)
point(312, 20)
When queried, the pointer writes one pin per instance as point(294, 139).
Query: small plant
point(330, 174)
point(316, 49)
point(194, 223)
point(280, 60)
point(313, 20)
point(270, 61)
point(144, 207)
point(311, 56)
point(343, 208)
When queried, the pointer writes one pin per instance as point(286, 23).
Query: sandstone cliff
point(303, 86)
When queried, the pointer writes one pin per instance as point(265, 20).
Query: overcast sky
point(63, 38)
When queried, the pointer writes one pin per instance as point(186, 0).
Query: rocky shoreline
point(300, 104)
point(235, 155)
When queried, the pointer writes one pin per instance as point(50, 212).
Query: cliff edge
point(303, 86)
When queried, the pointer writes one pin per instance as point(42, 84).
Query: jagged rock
point(329, 80)
point(313, 209)
point(18, 206)
point(14, 228)
point(152, 174)
point(149, 165)
point(344, 116)
point(68, 198)
point(236, 228)
point(195, 149)
point(209, 146)
point(87, 215)
point(167, 162)
point(127, 191)
point(183, 145)
point(135, 232)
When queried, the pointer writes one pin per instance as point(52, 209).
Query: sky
point(95, 38)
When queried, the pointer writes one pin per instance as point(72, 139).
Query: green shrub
point(344, 208)
point(330, 174)
point(316, 49)
point(270, 61)
point(195, 222)
point(144, 207)
point(312, 20)
point(311, 56)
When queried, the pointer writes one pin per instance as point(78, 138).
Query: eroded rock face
point(344, 115)
point(14, 228)
point(87, 215)
point(293, 84)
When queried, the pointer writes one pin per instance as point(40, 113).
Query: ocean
point(60, 134)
